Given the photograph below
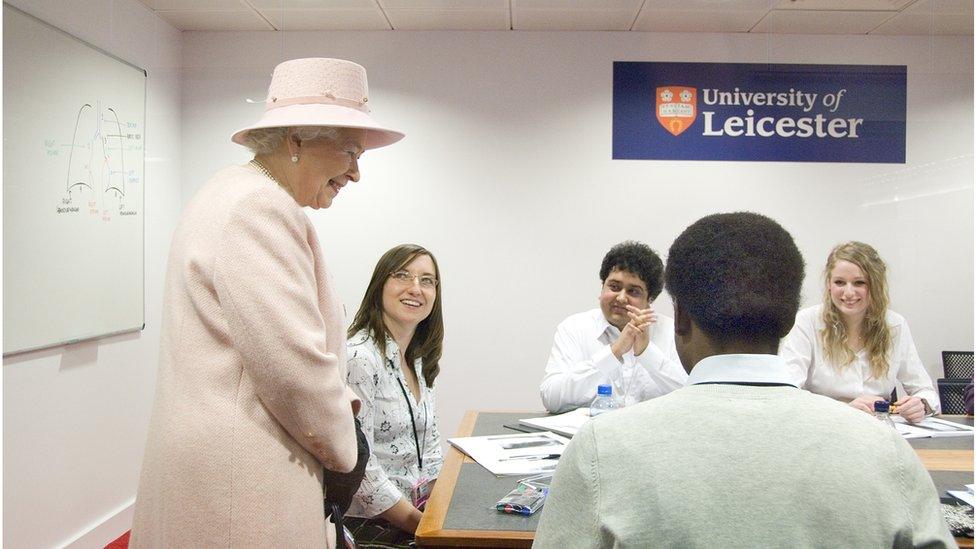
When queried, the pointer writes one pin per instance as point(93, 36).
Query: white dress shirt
point(393, 467)
point(581, 360)
point(804, 353)
point(742, 368)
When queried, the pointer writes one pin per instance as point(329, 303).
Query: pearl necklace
point(259, 166)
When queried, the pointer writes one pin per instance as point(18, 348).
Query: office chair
point(957, 364)
point(951, 395)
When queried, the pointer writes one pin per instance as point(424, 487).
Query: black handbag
point(341, 487)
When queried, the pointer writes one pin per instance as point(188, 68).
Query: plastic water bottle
point(603, 402)
point(881, 413)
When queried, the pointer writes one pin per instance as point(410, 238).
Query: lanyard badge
point(420, 492)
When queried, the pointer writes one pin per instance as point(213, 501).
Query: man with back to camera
point(739, 457)
point(624, 343)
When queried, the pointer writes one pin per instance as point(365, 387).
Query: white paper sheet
point(931, 427)
point(965, 496)
point(565, 424)
point(516, 454)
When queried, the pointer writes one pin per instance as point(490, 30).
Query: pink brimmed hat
point(321, 92)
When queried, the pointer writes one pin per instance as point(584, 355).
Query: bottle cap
point(881, 406)
point(604, 390)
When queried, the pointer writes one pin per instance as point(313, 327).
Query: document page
point(565, 424)
point(931, 427)
point(521, 454)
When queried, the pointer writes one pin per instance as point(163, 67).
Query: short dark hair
point(738, 276)
point(638, 258)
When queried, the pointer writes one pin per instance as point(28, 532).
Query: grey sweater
point(740, 466)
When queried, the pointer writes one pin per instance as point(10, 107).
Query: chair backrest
point(952, 395)
point(957, 364)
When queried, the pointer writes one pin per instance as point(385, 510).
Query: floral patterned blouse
point(393, 467)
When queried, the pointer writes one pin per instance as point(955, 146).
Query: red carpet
point(121, 543)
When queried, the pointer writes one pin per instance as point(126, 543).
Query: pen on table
point(531, 457)
point(525, 435)
point(530, 444)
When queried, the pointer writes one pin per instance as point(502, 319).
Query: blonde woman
point(852, 347)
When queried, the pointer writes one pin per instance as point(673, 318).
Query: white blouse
point(393, 466)
point(804, 353)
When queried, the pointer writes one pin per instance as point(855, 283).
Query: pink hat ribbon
point(325, 99)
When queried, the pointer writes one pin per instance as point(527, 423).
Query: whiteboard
point(73, 182)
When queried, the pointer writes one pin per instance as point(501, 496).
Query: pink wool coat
point(251, 398)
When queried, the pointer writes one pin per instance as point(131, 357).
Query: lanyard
point(416, 441)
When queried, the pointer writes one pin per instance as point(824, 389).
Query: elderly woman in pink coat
point(251, 401)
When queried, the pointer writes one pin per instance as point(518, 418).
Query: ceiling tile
point(928, 17)
point(842, 5)
point(200, 5)
point(820, 22)
point(444, 4)
point(945, 6)
point(191, 20)
point(338, 19)
point(697, 21)
point(708, 5)
point(917, 17)
point(572, 5)
point(312, 4)
point(449, 19)
point(938, 25)
point(572, 20)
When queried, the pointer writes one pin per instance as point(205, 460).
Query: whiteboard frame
point(145, 133)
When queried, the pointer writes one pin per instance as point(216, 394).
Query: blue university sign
point(759, 112)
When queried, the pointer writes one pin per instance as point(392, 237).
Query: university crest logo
point(676, 107)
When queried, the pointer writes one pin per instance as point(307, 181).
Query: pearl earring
point(294, 158)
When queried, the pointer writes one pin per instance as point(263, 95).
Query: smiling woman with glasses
point(394, 350)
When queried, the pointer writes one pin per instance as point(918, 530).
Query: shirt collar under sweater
point(742, 368)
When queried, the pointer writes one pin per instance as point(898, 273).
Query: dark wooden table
point(461, 513)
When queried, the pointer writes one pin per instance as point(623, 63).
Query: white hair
point(267, 140)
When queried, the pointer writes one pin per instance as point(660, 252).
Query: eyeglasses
point(405, 277)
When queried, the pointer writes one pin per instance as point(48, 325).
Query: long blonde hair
point(874, 329)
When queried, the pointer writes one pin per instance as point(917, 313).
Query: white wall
point(506, 175)
point(75, 417)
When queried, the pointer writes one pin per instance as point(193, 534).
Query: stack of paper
point(565, 424)
point(965, 496)
point(931, 427)
point(524, 454)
